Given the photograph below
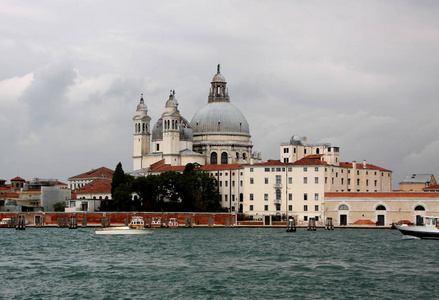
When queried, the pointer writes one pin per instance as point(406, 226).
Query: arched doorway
point(419, 217)
point(343, 209)
point(381, 218)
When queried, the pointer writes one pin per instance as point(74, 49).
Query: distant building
point(89, 197)
point(38, 195)
point(417, 182)
point(83, 179)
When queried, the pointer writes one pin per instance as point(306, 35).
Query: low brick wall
point(118, 218)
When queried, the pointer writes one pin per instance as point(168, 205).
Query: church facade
point(218, 133)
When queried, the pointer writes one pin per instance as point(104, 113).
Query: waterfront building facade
point(381, 208)
point(89, 197)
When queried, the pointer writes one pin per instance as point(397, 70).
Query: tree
point(59, 206)
point(121, 190)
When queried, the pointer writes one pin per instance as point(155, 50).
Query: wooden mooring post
point(312, 224)
point(291, 224)
point(21, 224)
point(328, 224)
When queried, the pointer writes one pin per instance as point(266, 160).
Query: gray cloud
point(360, 75)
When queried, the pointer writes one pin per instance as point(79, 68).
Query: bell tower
point(141, 134)
point(171, 130)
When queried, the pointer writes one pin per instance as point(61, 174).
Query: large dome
point(220, 118)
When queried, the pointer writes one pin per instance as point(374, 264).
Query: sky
point(361, 75)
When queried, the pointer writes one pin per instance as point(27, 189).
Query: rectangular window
point(358, 181)
point(316, 207)
point(226, 183)
point(305, 169)
point(226, 198)
point(251, 169)
point(316, 196)
point(251, 180)
point(267, 169)
point(305, 218)
point(375, 182)
point(277, 169)
point(72, 203)
point(316, 180)
point(251, 207)
point(251, 196)
point(290, 208)
point(240, 183)
point(278, 179)
point(233, 183)
point(349, 181)
point(305, 208)
point(266, 180)
point(305, 196)
point(233, 197)
point(283, 169)
point(290, 196)
point(221, 183)
point(316, 169)
point(266, 197)
point(266, 207)
point(305, 180)
point(367, 182)
point(290, 180)
point(342, 181)
point(290, 169)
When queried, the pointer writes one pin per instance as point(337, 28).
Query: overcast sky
point(361, 75)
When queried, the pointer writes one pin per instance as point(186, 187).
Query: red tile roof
point(102, 172)
point(361, 166)
point(17, 179)
point(98, 186)
point(9, 195)
point(431, 187)
point(310, 160)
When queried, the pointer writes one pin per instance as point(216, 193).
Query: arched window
point(244, 156)
point(343, 207)
point(278, 195)
point(419, 207)
point(317, 151)
point(381, 207)
point(237, 155)
point(224, 158)
point(213, 158)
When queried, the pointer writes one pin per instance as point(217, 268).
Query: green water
point(47, 263)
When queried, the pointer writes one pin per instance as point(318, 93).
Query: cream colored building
point(381, 209)
point(298, 189)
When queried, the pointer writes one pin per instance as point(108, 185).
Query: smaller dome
point(186, 133)
point(142, 106)
point(172, 101)
point(218, 78)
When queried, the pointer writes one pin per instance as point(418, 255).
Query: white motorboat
point(5, 223)
point(173, 223)
point(430, 229)
point(137, 226)
point(156, 222)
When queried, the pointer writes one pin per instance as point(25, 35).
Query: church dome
point(218, 78)
point(186, 133)
point(220, 117)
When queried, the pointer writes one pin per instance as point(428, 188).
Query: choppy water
point(48, 263)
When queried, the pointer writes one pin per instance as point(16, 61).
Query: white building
point(217, 134)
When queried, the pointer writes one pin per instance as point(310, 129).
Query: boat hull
point(122, 231)
point(422, 232)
